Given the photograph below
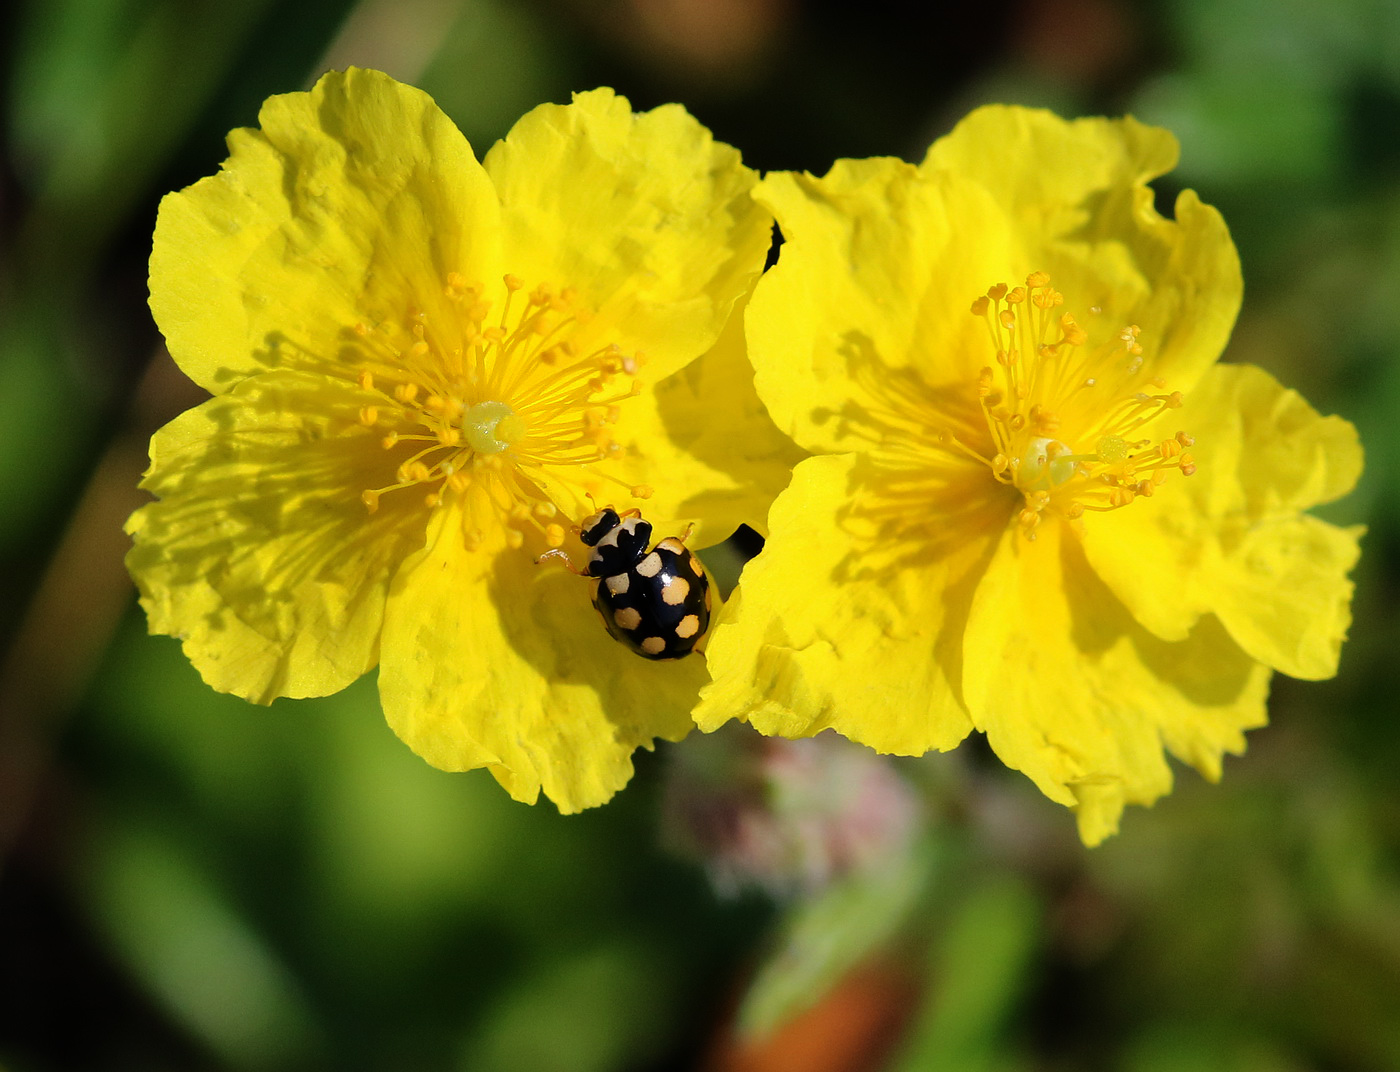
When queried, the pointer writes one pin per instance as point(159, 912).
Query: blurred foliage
point(192, 883)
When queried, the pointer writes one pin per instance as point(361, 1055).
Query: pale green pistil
point(491, 427)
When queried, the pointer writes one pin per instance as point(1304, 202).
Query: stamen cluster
point(472, 401)
point(1063, 415)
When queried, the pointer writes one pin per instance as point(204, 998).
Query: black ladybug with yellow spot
point(656, 602)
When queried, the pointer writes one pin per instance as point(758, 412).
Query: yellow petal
point(351, 201)
point(260, 555)
point(1229, 540)
point(705, 444)
point(1283, 593)
point(1029, 157)
point(876, 275)
point(490, 660)
point(1076, 195)
point(1071, 690)
point(646, 215)
point(826, 631)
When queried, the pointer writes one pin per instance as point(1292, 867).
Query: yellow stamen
point(1066, 440)
point(497, 400)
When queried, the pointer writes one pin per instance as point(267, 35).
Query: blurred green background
point(190, 882)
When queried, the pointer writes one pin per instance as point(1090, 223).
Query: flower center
point(499, 405)
point(1065, 417)
point(492, 427)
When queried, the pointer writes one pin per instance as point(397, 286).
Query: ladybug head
point(618, 543)
point(596, 526)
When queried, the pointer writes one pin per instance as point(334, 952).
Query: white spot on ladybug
point(627, 618)
point(687, 626)
point(649, 566)
point(675, 591)
point(618, 583)
point(653, 645)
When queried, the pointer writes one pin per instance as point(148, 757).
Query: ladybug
point(656, 602)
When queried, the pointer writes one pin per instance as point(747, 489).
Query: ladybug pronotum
point(656, 602)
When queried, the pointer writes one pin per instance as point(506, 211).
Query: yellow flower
point(1041, 510)
point(426, 370)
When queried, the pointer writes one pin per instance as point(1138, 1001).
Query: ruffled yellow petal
point(705, 445)
point(646, 216)
point(876, 274)
point(1075, 195)
point(490, 660)
point(827, 630)
point(1283, 593)
point(259, 555)
point(351, 201)
point(1072, 691)
point(1229, 540)
point(1045, 169)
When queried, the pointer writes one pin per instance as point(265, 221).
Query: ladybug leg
point(634, 512)
point(689, 528)
point(555, 552)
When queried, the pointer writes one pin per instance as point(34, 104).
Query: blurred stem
point(76, 608)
